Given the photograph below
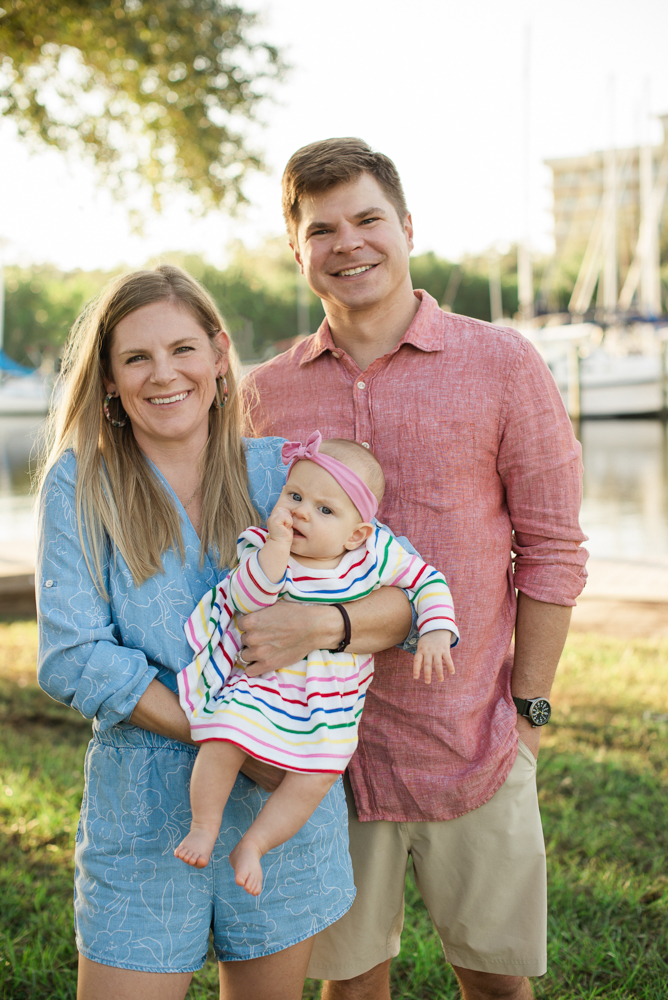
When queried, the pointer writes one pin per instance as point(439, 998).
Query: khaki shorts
point(482, 877)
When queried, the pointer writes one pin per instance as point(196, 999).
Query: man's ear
point(408, 230)
point(359, 535)
point(298, 257)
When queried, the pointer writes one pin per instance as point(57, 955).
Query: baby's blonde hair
point(360, 459)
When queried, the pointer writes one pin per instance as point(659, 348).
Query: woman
point(146, 487)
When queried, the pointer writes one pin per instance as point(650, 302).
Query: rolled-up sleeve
point(81, 661)
point(540, 464)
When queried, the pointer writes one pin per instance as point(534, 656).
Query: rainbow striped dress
point(304, 717)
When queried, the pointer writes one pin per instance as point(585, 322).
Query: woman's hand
point(285, 633)
point(266, 775)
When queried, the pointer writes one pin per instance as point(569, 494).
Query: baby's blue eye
point(326, 510)
point(296, 497)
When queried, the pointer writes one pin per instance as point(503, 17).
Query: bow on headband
point(294, 451)
point(349, 481)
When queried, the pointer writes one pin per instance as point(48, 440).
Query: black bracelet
point(347, 631)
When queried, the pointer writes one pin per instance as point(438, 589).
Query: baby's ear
point(359, 535)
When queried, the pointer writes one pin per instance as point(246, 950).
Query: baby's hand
point(433, 650)
point(279, 525)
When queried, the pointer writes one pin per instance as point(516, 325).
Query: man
point(481, 463)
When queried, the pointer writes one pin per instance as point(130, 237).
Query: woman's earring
point(105, 406)
point(221, 399)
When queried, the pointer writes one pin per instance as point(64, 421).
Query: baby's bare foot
point(196, 848)
point(245, 859)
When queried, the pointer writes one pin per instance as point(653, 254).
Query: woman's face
point(164, 368)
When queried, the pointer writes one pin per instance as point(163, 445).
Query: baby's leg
point(214, 774)
point(284, 814)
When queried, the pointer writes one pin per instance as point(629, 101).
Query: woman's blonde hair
point(117, 491)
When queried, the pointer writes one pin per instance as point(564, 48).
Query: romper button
point(365, 444)
point(48, 583)
point(336, 355)
point(361, 385)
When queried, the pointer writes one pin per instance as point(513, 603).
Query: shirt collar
point(425, 331)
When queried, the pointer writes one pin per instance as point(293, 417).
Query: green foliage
point(602, 780)
point(256, 293)
point(151, 90)
point(470, 280)
point(41, 305)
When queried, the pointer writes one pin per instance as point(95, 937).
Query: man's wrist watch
point(536, 710)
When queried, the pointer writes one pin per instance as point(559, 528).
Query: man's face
point(352, 246)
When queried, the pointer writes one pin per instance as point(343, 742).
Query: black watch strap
point(522, 705)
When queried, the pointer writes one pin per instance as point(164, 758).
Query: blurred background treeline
point(258, 294)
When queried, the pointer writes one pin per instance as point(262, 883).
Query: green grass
point(603, 776)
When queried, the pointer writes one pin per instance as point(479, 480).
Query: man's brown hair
point(322, 165)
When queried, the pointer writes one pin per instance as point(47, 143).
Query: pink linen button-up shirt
point(481, 462)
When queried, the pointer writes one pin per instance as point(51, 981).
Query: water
point(625, 508)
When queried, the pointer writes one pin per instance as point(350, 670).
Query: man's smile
point(351, 271)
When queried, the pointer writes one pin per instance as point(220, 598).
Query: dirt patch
point(624, 619)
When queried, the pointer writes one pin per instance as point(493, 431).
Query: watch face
point(540, 712)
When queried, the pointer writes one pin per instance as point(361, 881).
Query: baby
point(319, 546)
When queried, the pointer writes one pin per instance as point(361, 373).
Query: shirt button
point(365, 444)
point(335, 354)
point(48, 583)
point(361, 385)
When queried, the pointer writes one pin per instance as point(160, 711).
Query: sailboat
point(617, 365)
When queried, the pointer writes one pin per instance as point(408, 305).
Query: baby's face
point(323, 515)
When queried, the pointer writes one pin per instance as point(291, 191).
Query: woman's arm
point(159, 711)
point(286, 633)
point(80, 662)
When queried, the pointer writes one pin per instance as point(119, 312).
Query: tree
point(153, 90)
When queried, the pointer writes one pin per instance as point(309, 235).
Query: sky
point(440, 86)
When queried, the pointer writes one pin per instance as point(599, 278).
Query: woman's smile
point(166, 400)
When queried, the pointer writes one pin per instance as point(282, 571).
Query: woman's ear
point(221, 343)
point(359, 535)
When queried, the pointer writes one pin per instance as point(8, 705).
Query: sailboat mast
point(524, 264)
point(610, 219)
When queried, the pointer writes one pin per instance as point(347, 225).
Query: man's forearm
point(287, 632)
point(379, 621)
point(540, 634)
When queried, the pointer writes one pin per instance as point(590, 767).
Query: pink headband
point(356, 488)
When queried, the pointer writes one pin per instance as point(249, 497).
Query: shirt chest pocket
point(438, 466)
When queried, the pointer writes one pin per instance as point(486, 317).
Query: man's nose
point(348, 238)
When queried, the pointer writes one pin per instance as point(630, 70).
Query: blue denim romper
point(135, 905)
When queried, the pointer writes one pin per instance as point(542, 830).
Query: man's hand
point(266, 775)
point(433, 650)
point(285, 633)
point(529, 735)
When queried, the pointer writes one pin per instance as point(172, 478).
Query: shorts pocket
point(523, 749)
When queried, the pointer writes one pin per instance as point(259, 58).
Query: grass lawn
point(603, 778)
